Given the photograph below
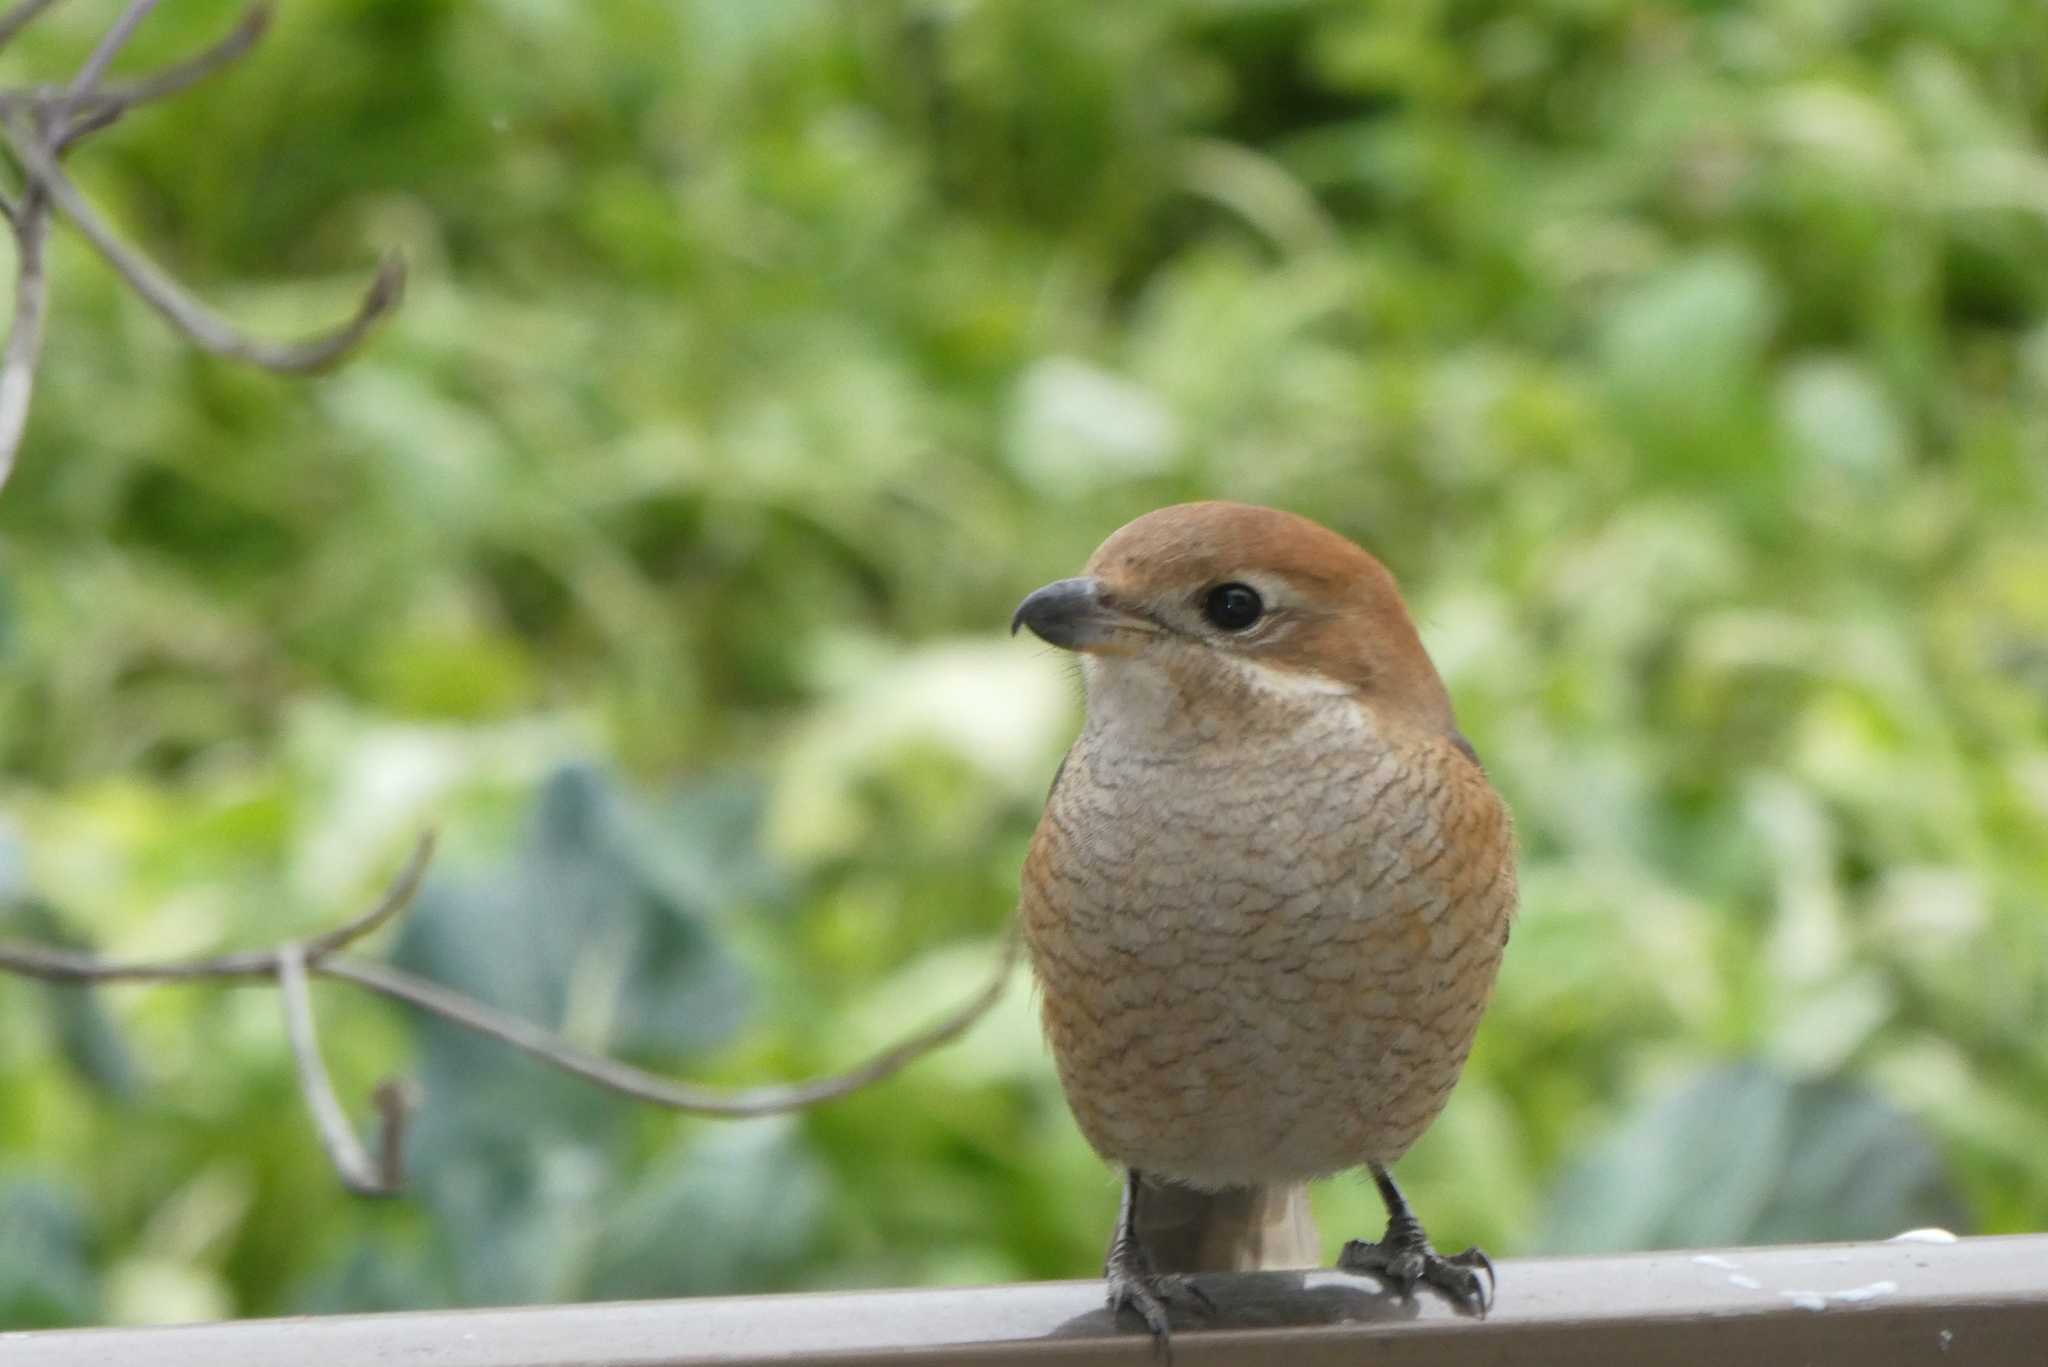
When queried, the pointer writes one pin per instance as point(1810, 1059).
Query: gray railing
point(1981, 1302)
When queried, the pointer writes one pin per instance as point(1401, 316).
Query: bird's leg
point(1403, 1256)
point(1128, 1270)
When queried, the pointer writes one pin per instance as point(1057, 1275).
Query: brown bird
point(1268, 898)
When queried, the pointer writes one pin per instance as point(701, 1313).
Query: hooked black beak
point(1068, 613)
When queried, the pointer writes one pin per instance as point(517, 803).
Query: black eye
point(1233, 606)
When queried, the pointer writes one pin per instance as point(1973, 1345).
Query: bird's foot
point(1403, 1258)
point(1135, 1286)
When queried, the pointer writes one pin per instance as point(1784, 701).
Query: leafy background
point(1689, 362)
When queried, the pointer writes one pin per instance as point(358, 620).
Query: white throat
point(1140, 701)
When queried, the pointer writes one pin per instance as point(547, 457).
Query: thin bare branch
point(182, 76)
point(88, 78)
point(656, 1090)
point(60, 965)
point(317, 957)
point(116, 98)
point(40, 123)
point(209, 330)
point(70, 966)
point(458, 1009)
point(30, 220)
point(20, 17)
point(396, 1099)
point(397, 897)
point(351, 1160)
point(95, 117)
point(119, 97)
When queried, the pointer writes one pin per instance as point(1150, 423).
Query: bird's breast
point(1265, 954)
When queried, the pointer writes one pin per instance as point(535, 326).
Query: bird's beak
point(1071, 614)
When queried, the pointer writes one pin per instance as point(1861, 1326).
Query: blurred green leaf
point(46, 1274)
point(1745, 1155)
point(739, 1207)
point(86, 1035)
point(595, 931)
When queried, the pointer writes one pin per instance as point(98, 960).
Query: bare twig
point(291, 964)
point(395, 1099)
point(30, 220)
point(182, 76)
point(96, 117)
point(88, 78)
point(351, 1160)
point(66, 966)
point(117, 98)
point(656, 1090)
point(20, 17)
point(40, 124)
point(208, 329)
point(395, 900)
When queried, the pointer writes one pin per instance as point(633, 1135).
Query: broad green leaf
point(1744, 1155)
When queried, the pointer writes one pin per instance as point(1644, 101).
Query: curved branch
point(208, 329)
point(652, 1088)
point(67, 966)
point(117, 98)
point(183, 75)
point(20, 17)
point(396, 899)
point(30, 220)
point(351, 1160)
point(318, 957)
point(39, 124)
point(174, 79)
point(109, 47)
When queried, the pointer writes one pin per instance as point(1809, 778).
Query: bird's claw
point(1405, 1263)
point(1133, 1285)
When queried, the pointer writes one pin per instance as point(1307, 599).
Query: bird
point(1267, 901)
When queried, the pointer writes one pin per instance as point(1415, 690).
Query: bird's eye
point(1233, 606)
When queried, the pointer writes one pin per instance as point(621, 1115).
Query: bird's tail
point(1238, 1229)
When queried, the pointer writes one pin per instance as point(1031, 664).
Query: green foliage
point(584, 929)
point(1687, 362)
point(47, 1276)
point(1747, 1156)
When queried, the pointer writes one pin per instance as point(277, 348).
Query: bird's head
point(1218, 601)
